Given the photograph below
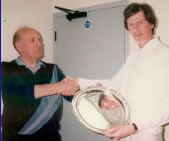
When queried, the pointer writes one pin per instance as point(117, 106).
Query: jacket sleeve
point(113, 83)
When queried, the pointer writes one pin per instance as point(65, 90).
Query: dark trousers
point(50, 136)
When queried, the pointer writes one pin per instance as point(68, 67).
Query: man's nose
point(135, 29)
point(38, 43)
point(106, 104)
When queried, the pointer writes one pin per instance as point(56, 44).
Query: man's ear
point(18, 46)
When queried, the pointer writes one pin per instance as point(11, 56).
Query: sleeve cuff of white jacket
point(142, 126)
point(85, 83)
point(154, 120)
point(138, 125)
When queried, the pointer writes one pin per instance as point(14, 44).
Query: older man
point(32, 91)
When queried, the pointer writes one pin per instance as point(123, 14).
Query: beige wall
point(38, 14)
point(34, 13)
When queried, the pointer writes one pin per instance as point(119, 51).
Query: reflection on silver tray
point(99, 108)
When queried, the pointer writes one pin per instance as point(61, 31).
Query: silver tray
point(99, 108)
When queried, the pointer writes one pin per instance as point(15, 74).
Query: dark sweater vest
point(18, 95)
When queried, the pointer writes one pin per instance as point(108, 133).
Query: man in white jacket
point(143, 80)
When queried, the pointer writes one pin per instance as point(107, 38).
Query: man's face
point(109, 104)
point(30, 45)
point(140, 28)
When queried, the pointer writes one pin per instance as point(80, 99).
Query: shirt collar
point(21, 63)
point(153, 43)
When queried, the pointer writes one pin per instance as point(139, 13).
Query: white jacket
point(144, 82)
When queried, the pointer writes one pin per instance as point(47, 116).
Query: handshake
point(68, 86)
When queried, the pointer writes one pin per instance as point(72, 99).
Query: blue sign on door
point(87, 24)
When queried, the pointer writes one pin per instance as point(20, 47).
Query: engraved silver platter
point(100, 108)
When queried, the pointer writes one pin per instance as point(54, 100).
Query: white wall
point(34, 13)
point(73, 4)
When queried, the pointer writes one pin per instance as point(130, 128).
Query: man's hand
point(99, 85)
point(68, 86)
point(120, 131)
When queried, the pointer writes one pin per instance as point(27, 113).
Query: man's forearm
point(66, 87)
point(46, 90)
